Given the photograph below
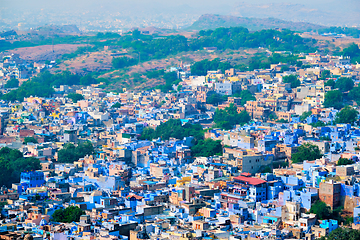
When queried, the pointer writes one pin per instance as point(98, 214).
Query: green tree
point(330, 83)
point(179, 87)
point(347, 115)
point(87, 80)
point(325, 74)
point(116, 105)
point(67, 215)
point(318, 124)
point(229, 117)
point(344, 84)
point(305, 115)
point(123, 62)
point(273, 116)
point(215, 99)
point(69, 153)
point(12, 163)
point(281, 120)
point(343, 234)
point(170, 79)
point(207, 148)
point(325, 138)
point(284, 68)
point(344, 161)
point(349, 220)
point(352, 51)
point(333, 99)
point(75, 97)
point(148, 134)
point(173, 128)
point(354, 94)
point(245, 96)
point(85, 148)
point(306, 151)
point(202, 67)
point(30, 139)
point(42, 85)
point(299, 63)
point(12, 83)
point(293, 80)
point(266, 169)
point(321, 210)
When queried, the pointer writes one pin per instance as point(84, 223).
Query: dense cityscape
point(212, 134)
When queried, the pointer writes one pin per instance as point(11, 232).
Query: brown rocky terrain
point(132, 77)
point(90, 62)
point(45, 52)
point(330, 40)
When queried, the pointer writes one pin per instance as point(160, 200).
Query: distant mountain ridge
point(212, 21)
point(51, 30)
point(59, 28)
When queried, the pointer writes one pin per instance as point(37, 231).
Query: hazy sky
point(195, 3)
point(325, 12)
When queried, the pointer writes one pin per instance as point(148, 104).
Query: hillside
point(102, 51)
point(134, 77)
point(212, 21)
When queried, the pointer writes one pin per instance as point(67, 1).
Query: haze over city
point(122, 15)
point(179, 120)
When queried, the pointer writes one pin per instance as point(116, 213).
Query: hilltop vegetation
point(148, 47)
point(352, 51)
point(139, 48)
point(239, 37)
point(262, 61)
point(42, 85)
point(202, 67)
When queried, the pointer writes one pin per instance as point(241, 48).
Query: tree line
point(43, 85)
point(173, 128)
point(12, 163)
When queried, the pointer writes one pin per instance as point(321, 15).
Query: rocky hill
point(212, 21)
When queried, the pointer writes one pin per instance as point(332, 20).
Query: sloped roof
point(135, 196)
point(250, 180)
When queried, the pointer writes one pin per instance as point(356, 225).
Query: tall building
point(329, 193)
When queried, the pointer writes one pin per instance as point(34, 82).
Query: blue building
point(132, 201)
point(329, 224)
point(357, 215)
point(274, 188)
point(311, 119)
point(292, 183)
point(32, 179)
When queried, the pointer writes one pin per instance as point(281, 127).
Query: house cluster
point(14, 67)
point(132, 188)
